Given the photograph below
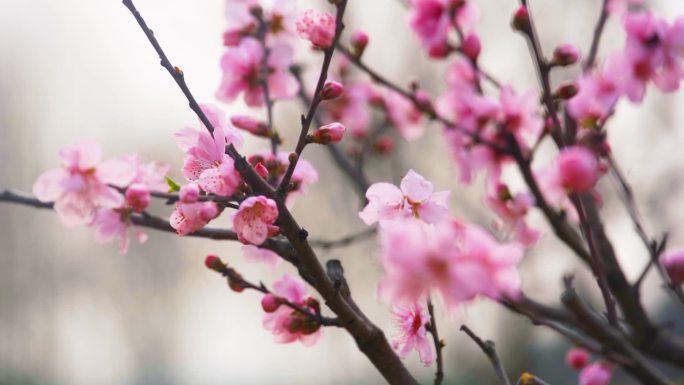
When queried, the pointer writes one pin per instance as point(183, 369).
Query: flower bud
point(330, 133)
point(189, 193)
point(472, 46)
point(270, 303)
point(235, 284)
point(359, 41)
point(439, 51)
point(250, 125)
point(383, 145)
point(521, 19)
point(309, 326)
point(138, 197)
point(331, 90)
point(261, 170)
point(673, 261)
point(208, 211)
point(577, 358)
point(214, 263)
point(293, 324)
point(565, 55)
point(566, 91)
point(577, 169)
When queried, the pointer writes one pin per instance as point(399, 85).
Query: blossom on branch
point(412, 321)
point(317, 27)
point(254, 220)
point(416, 198)
point(289, 325)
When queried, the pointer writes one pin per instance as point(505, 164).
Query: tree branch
point(439, 344)
point(489, 349)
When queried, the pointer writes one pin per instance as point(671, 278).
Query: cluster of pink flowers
point(424, 251)
point(286, 324)
point(434, 20)
point(653, 52)
point(86, 191)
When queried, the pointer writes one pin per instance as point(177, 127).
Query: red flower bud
point(577, 358)
point(270, 303)
point(565, 55)
point(261, 170)
point(521, 19)
point(359, 41)
point(673, 262)
point(471, 46)
point(383, 145)
point(214, 263)
point(566, 91)
point(330, 133)
point(331, 90)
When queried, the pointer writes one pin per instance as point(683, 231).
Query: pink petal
point(415, 187)
point(49, 185)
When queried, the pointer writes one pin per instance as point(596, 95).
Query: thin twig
point(489, 349)
point(263, 79)
point(344, 241)
point(316, 99)
point(596, 39)
point(439, 344)
point(236, 278)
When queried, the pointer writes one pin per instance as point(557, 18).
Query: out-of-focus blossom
point(432, 20)
point(112, 224)
point(242, 73)
point(673, 261)
point(577, 169)
point(460, 262)
point(317, 27)
point(596, 374)
point(137, 197)
point(279, 16)
point(352, 108)
point(254, 220)
point(412, 323)
point(404, 116)
point(599, 92)
point(256, 254)
point(618, 7)
point(286, 324)
point(416, 198)
point(511, 211)
point(82, 184)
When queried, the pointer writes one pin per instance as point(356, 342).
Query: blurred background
point(74, 312)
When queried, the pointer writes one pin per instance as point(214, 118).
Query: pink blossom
point(206, 162)
point(286, 324)
point(577, 358)
point(317, 27)
point(112, 224)
point(596, 374)
point(599, 92)
point(458, 261)
point(577, 169)
point(242, 72)
point(189, 193)
point(278, 14)
point(519, 114)
point(404, 116)
point(137, 197)
point(250, 125)
point(673, 261)
point(190, 217)
point(82, 185)
point(512, 210)
point(254, 220)
point(328, 134)
point(256, 254)
point(151, 175)
point(432, 20)
point(359, 41)
point(412, 324)
point(415, 199)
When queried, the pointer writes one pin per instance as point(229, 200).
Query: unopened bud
point(439, 51)
point(250, 125)
point(235, 284)
point(189, 193)
point(565, 55)
point(577, 358)
point(359, 41)
point(383, 145)
point(566, 91)
point(521, 19)
point(471, 46)
point(270, 303)
point(214, 263)
point(331, 90)
point(261, 170)
point(208, 211)
point(310, 326)
point(138, 197)
point(328, 134)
